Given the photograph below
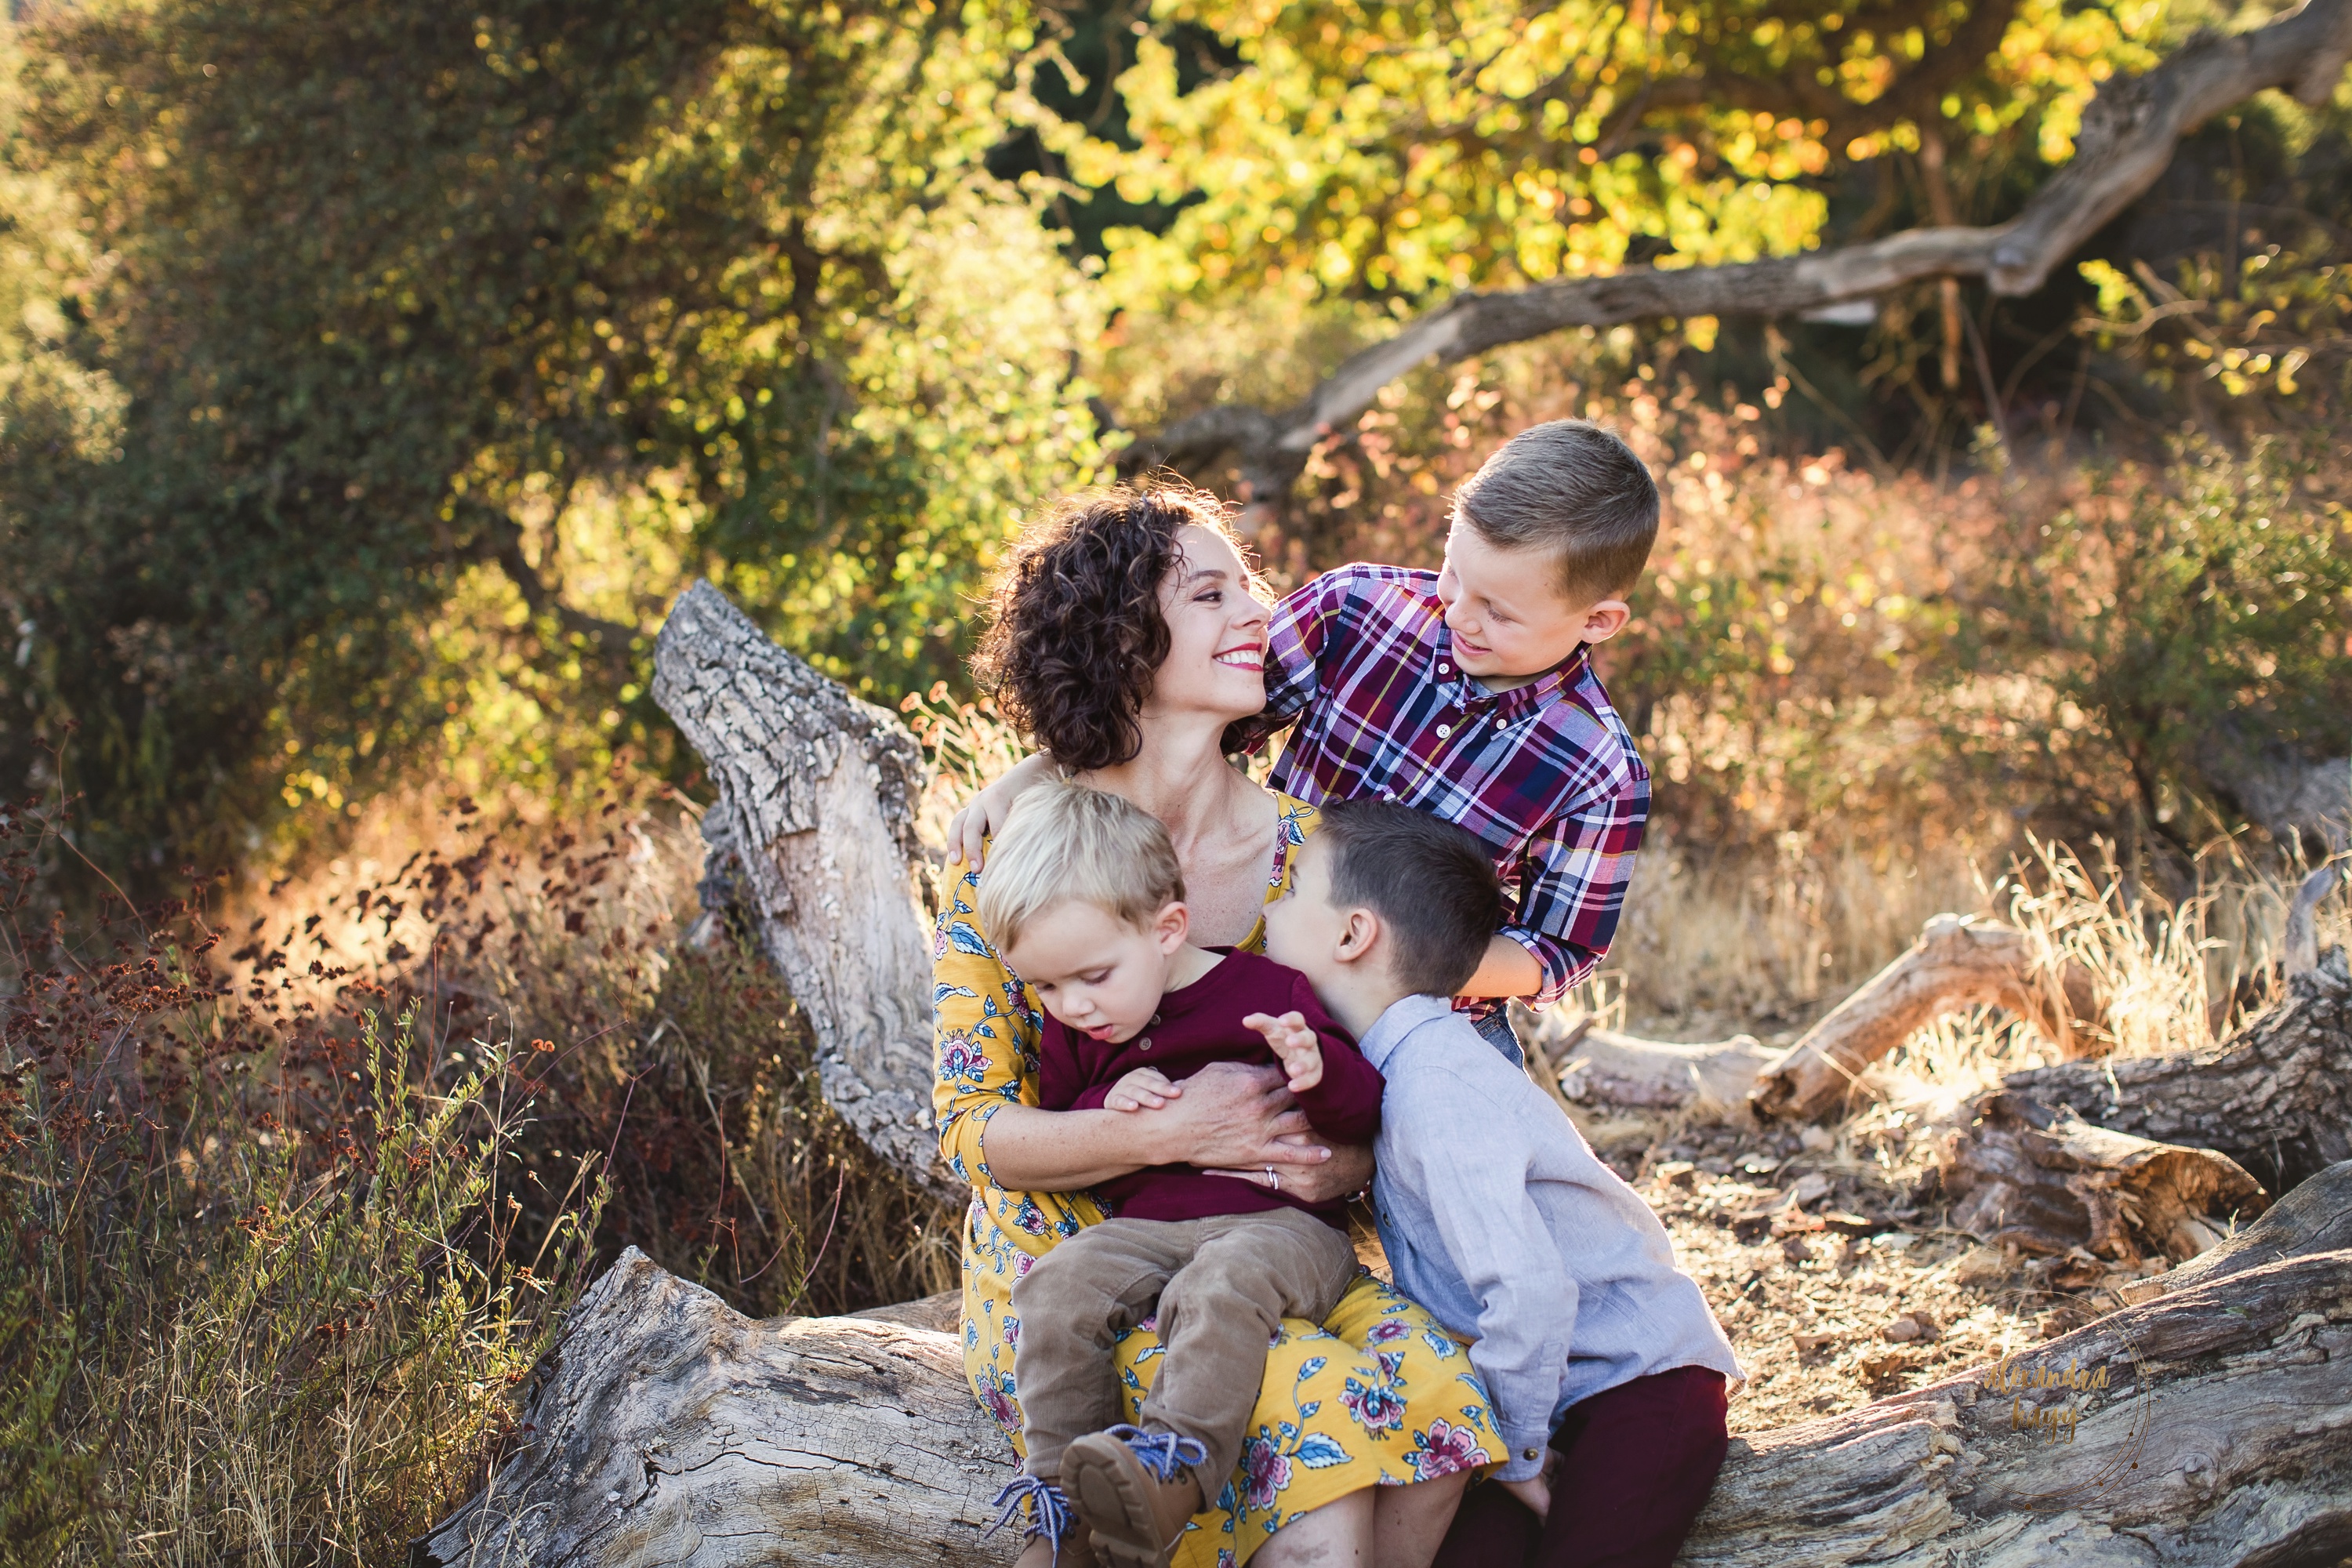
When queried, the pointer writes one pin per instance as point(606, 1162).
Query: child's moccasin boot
point(1132, 1491)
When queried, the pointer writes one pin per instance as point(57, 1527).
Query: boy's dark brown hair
point(1077, 635)
point(1432, 883)
point(1572, 486)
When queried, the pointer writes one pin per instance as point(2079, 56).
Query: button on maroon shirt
point(1197, 1025)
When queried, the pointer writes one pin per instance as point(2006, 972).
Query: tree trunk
point(812, 839)
point(666, 1429)
point(2277, 1098)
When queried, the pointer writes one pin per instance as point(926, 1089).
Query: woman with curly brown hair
point(1128, 640)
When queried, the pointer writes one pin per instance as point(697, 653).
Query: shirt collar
point(1463, 690)
point(1405, 1014)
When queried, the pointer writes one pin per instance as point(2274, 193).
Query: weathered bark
point(2222, 1437)
point(2129, 132)
point(1956, 963)
point(2277, 1096)
point(2284, 792)
point(815, 831)
point(666, 1429)
point(1597, 1067)
point(2048, 1183)
point(2314, 1217)
point(2301, 942)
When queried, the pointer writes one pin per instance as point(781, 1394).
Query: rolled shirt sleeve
point(1572, 885)
point(1296, 638)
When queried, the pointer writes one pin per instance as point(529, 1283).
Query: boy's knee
point(1049, 1294)
point(1281, 1280)
point(1066, 1291)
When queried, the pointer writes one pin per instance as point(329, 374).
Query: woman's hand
point(1346, 1169)
point(970, 829)
point(1229, 1114)
point(1232, 1114)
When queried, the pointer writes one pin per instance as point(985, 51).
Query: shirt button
point(1526, 1453)
point(1443, 667)
point(1144, 1044)
point(1444, 731)
point(1155, 1020)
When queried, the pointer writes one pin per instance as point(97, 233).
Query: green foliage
point(2271, 332)
point(379, 310)
point(2205, 606)
point(1395, 150)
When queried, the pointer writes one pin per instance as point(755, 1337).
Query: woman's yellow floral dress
point(1377, 1394)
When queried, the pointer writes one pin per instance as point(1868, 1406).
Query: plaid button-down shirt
point(1546, 773)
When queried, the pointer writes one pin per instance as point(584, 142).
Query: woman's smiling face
point(1216, 633)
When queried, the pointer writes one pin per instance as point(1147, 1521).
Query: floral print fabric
point(1376, 1394)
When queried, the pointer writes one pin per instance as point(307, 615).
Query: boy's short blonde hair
point(1572, 487)
point(1064, 841)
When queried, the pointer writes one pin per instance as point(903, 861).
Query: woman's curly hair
point(1077, 635)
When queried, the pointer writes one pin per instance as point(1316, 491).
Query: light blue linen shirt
point(1500, 1219)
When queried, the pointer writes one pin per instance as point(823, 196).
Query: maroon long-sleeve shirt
point(1197, 1025)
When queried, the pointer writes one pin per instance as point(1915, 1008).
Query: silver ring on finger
point(1271, 1180)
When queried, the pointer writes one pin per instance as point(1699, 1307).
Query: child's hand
point(969, 830)
point(1294, 1044)
point(1536, 1492)
point(1142, 1089)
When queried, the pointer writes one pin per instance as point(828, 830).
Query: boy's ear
point(1605, 619)
point(1359, 937)
point(1170, 926)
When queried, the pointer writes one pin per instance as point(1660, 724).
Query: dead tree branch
point(2128, 135)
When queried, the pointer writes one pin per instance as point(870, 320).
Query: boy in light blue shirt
point(1608, 1372)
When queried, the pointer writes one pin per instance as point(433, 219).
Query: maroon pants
point(1635, 1466)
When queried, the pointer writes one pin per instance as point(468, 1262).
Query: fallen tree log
point(2211, 1426)
point(1596, 1066)
point(2277, 1096)
point(2314, 1217)
point(1957, 963)
point(812, 841)
point(2048, 1183)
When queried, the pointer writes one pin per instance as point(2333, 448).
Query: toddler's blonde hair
point(1064, 842)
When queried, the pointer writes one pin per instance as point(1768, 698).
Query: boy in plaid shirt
point(1469, 692)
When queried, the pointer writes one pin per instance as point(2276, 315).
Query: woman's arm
point(970, 829)
point(1227, 1114)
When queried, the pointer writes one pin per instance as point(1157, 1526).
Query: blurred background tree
point(383, 371)
point(370, 380)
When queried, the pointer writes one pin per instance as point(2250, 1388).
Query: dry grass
point(264, 1293)
point(1763, 940)
point(1810, 1312)
point(675, 1054)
